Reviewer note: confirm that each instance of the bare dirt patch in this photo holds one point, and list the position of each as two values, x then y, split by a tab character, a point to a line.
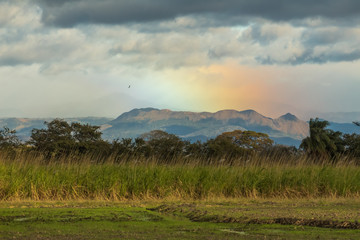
192	213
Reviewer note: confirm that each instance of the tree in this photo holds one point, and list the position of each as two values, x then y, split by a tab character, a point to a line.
61	137
237	143
85	133
222	147
195	149
322	142
87	139
248	139
8	138
163	144
125	146
156	135
56	139
352	144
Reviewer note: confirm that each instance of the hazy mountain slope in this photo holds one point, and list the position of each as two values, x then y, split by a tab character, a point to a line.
192	125
338	117
286	129
344	127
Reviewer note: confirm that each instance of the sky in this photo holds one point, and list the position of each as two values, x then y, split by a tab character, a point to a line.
77	58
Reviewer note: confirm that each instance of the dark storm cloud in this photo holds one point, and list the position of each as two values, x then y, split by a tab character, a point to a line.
66	13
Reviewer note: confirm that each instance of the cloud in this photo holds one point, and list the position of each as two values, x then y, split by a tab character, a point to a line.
67	13
284	43
18	14
42	47
79	57
190	34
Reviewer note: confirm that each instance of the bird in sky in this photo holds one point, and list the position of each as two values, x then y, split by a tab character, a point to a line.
129	86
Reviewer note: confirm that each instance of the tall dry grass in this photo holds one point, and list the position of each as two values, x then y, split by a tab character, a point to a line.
25	176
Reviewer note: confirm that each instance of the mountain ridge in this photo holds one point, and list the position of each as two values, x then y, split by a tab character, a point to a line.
188	124
286	129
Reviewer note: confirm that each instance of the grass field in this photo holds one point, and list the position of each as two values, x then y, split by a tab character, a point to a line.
22	179
226	219
79	198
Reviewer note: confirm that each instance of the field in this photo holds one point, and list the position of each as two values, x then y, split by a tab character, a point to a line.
78	198
226	219
25	178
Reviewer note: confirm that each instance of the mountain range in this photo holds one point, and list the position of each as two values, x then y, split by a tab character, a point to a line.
205	125
192	126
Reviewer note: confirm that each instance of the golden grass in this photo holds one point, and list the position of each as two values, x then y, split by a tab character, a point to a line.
29	176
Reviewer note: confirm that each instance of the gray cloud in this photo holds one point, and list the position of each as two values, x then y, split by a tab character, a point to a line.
185	41
309	57
330	35
284	43
41	48
67	13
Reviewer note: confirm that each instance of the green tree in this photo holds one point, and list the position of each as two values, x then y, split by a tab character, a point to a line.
322	142
123	147
237	143
56	138
61	137
85	133
352	144
195	149
88	139
156	135
222	147
163	144
248	139
8	138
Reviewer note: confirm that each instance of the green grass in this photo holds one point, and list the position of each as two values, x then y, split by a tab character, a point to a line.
30	179
139	220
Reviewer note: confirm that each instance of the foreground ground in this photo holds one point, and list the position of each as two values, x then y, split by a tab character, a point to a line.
228	219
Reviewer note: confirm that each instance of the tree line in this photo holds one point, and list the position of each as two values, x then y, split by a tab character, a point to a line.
61	138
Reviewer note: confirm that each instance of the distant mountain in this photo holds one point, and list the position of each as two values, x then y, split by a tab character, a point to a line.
204	125
344	127
192	126
338	117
